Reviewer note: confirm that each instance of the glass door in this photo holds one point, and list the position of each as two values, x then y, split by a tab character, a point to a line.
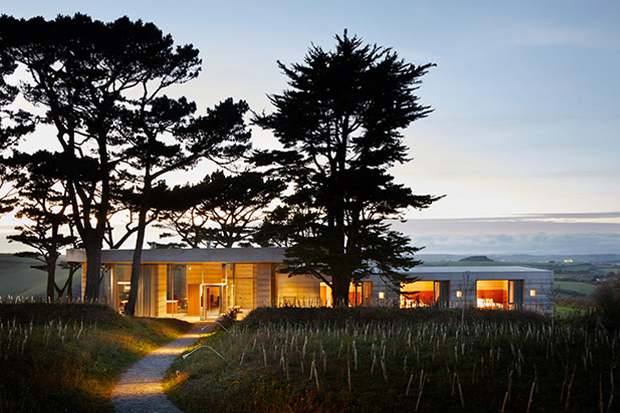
212	301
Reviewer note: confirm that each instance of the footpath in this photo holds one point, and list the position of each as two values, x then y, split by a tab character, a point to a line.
140	388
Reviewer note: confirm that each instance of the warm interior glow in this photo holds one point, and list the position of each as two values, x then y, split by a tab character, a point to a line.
532	293
359	294
459	293
381	295
492	294
417	294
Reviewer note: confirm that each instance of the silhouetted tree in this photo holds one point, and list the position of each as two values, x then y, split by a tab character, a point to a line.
220	136
87	75
339	124
44	208
223	210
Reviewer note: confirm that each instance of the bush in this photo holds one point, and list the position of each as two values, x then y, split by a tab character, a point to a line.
606	299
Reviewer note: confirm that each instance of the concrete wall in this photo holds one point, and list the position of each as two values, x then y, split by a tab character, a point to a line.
300	290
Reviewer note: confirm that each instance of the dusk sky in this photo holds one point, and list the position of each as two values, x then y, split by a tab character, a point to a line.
525	136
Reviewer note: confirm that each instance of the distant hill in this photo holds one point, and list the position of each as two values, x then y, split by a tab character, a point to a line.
18	278
524	258
477	258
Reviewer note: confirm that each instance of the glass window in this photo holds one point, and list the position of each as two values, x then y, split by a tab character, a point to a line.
176	294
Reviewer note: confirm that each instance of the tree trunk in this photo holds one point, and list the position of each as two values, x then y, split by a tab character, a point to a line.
340	290
130	308
72	271
92	245
51	278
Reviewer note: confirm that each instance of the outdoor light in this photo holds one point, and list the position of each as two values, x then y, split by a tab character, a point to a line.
459	293
532	293
381	295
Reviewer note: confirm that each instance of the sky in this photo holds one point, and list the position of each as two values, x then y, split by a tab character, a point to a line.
524	138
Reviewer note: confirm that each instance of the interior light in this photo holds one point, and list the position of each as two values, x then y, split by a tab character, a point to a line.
532	293
381	295
459	293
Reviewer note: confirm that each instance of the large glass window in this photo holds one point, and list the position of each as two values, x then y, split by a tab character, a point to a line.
492	294
417	294
176	295
359	294
123	281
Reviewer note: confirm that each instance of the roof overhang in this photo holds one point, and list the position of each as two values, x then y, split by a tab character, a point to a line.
254	255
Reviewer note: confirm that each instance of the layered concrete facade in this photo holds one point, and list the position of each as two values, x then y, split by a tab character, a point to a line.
207	282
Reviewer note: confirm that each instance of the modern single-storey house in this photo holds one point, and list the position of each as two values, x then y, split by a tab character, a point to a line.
208	282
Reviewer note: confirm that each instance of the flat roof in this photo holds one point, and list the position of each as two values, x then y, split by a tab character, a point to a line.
187	255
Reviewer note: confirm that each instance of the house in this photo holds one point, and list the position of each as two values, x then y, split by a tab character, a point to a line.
207	282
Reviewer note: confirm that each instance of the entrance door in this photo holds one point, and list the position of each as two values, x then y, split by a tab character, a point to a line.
212	299
442	293
515	294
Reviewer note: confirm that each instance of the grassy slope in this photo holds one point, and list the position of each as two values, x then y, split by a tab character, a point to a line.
397	359
580	287
18	278
67	357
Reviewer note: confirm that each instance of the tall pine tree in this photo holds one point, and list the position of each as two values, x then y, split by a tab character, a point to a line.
340	125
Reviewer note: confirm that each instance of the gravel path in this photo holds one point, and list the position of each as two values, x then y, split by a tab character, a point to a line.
140	389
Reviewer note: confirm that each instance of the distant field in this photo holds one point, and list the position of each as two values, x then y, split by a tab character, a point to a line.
18	278
582	288
576	268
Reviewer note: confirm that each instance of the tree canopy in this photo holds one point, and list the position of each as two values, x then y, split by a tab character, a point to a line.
340	126
88	76
222	210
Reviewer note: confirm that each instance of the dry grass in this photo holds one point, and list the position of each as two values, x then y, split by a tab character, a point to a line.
67	357
368	360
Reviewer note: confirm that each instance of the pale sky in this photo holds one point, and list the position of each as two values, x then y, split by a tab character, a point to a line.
525	135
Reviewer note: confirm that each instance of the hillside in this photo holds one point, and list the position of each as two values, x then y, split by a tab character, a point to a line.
18	278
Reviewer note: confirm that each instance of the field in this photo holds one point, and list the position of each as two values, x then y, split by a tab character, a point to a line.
67	357
580	288
370	359
17	278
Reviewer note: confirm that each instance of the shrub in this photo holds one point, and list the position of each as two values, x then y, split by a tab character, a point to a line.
606	299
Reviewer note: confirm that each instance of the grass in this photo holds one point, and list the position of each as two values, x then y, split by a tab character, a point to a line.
67	357
580	287
373	359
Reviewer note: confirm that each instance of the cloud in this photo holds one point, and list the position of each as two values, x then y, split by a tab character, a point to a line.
532	243
540	35
570	233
